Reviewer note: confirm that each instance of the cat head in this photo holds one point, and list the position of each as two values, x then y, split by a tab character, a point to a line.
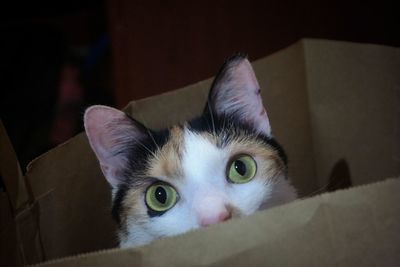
220	165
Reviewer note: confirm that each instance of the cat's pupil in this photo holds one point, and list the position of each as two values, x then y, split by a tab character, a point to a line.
161	195
240	167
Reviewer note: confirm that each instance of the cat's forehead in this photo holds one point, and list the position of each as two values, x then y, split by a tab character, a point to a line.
183	145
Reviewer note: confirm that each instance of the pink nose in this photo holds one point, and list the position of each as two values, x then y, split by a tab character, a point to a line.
210	219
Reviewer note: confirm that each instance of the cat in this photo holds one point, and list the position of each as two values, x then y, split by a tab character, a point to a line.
221	165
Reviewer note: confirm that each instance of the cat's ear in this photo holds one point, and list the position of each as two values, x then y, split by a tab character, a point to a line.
111	134
235	92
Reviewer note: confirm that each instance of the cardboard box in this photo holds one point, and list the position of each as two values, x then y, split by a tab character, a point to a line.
331	104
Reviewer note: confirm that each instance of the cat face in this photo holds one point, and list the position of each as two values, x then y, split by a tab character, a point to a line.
221	165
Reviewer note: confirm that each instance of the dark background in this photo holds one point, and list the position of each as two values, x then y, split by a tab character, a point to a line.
58	58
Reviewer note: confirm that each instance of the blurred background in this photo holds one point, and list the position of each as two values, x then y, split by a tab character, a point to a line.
57	59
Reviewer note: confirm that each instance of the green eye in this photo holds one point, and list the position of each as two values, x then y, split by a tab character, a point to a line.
241	169
160	197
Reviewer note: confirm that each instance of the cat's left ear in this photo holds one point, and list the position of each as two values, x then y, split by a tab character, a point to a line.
112	135
236	93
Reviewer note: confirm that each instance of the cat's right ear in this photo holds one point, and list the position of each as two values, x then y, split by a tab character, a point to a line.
111	133
236	93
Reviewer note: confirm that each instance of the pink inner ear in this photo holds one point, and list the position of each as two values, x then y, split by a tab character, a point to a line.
108	131
112	175
239	93
245	74
99	123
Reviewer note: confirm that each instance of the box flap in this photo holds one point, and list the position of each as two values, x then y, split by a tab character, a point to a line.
18	227
74	200
354	97
325	230
11	173
9	253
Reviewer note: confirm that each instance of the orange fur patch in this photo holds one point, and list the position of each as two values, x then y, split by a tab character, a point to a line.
167	162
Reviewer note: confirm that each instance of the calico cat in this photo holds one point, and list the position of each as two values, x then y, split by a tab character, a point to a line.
221	165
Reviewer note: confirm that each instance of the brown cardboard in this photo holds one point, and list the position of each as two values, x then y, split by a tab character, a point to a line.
328	102
352	94
70	189
357	227
19	225
11	173
10	201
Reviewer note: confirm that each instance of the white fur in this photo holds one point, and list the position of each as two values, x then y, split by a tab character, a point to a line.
205	191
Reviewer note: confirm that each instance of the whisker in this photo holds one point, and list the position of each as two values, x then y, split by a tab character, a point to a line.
223	123
148	131
212	115
144	146
125	140
319	190
162	155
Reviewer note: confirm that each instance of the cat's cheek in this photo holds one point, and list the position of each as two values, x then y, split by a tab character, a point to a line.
137	236
176	221
282	192
249	197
